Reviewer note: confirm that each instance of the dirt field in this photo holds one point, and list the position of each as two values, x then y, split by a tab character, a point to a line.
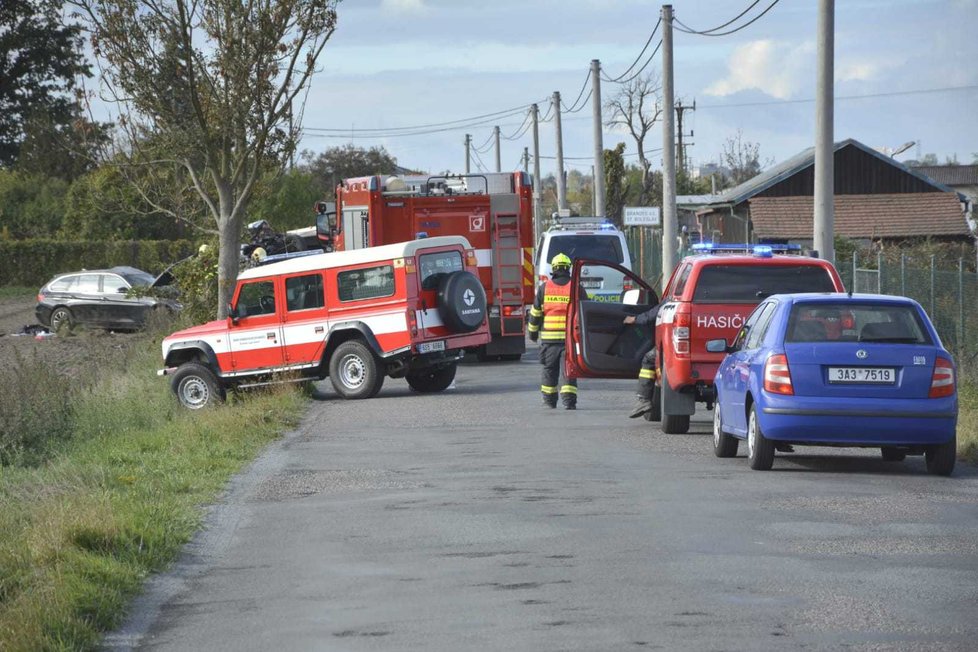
72	353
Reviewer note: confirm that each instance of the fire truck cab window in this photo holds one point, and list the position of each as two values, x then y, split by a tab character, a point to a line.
304	292
368	283
434	266
256	298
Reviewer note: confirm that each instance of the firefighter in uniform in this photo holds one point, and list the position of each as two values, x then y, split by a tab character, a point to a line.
548	319
649	372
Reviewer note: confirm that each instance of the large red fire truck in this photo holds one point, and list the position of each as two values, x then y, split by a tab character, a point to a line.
493	211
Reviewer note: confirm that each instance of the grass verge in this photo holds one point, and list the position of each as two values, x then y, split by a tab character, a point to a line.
115	500
16	292
968	422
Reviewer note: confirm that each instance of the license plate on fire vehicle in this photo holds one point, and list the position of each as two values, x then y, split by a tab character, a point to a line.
429	347
878	375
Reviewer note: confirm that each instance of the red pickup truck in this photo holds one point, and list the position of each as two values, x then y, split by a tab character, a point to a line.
709	296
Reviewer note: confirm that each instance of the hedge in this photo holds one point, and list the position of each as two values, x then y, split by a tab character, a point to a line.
30	263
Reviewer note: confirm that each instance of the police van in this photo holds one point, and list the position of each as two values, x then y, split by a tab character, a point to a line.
590	238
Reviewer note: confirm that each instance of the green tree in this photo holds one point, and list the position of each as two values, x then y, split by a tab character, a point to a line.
31	205
330	167
287	200
214	83
104	205
615	183
42	57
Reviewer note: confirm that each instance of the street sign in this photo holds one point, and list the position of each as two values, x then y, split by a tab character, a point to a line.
642	216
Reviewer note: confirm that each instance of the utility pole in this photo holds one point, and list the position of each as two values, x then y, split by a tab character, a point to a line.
526	159
598	174
669	223
681	149
537	218
561	180
499	160
468	153
824	226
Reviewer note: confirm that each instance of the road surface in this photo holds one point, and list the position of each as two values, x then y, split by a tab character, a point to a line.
477	519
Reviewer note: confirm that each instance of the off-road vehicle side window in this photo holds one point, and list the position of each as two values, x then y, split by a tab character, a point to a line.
753	283
434	266
304	292
367	283
256	298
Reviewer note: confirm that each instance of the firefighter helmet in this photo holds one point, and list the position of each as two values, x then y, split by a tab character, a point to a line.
560	260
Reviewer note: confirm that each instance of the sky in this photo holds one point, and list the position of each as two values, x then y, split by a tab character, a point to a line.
402	63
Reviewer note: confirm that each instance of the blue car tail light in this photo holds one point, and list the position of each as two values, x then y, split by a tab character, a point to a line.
942	380
777	375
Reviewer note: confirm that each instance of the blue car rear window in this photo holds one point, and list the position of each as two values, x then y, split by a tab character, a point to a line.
855	322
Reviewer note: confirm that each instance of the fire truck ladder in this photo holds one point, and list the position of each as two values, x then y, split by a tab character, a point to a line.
507	270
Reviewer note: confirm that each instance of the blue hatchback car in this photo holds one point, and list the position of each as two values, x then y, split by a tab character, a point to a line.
837	370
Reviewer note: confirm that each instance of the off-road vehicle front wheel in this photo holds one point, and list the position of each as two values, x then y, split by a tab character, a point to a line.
197	387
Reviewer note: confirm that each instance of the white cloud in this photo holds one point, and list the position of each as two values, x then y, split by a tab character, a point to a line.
777	68
403	6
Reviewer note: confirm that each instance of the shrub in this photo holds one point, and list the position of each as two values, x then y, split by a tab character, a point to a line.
37	410
32	263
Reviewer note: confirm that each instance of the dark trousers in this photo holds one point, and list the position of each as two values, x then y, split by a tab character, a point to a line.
552	359
647	376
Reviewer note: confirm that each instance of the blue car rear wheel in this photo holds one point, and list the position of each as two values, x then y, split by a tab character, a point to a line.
760	449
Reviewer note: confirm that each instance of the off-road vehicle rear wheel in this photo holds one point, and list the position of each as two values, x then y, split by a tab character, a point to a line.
432	380
354	371
197	387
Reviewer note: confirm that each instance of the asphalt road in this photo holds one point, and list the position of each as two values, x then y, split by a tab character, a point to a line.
480	520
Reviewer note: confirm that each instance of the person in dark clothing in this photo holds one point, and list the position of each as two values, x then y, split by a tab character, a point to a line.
548	323
649	372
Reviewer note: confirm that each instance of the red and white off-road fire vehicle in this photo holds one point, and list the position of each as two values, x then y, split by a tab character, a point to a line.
493	211
406	310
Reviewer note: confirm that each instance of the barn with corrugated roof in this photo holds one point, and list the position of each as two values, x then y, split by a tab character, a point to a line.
876	198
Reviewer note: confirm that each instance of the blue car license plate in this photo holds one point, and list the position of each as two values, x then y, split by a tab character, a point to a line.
875	375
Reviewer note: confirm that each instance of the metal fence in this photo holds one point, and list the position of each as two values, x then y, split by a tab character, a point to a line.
645	246
950	296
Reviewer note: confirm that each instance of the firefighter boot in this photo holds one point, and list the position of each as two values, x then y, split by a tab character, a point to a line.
642	405
550	400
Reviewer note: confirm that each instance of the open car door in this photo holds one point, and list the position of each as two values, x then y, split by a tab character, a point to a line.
599	343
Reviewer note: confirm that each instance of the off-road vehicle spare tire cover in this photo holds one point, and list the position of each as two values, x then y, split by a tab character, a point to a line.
461	301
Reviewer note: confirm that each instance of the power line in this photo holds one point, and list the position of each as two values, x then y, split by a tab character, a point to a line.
484	147
732	20
491	116
644	65
583	104
574	105
478	161
686	29
921	91
639	57
525	126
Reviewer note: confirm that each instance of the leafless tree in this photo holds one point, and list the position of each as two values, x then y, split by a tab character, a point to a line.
637	107
205	91
742	158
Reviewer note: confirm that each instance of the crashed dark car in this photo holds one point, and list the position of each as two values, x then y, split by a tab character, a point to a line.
120	298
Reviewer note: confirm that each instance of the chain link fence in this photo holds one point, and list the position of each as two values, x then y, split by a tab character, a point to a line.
950	296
